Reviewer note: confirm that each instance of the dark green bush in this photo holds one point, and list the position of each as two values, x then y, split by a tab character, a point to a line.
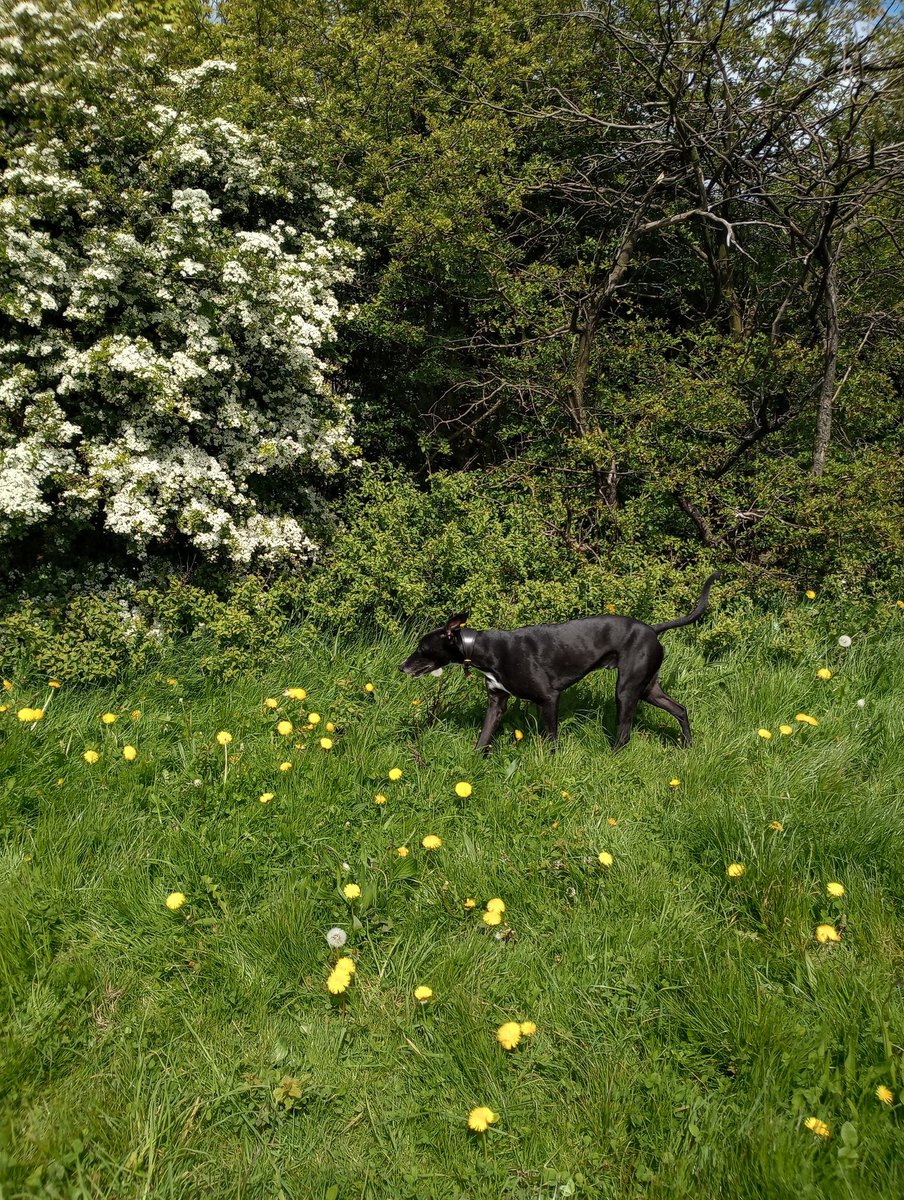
404	557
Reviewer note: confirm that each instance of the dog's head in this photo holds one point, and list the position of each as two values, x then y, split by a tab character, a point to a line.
435	649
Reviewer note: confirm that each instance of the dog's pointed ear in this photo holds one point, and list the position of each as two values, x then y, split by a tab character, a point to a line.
455	622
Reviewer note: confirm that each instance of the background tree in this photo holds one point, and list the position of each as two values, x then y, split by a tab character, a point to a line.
619	247
167	296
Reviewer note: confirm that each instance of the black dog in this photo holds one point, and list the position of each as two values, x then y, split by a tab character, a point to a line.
538	662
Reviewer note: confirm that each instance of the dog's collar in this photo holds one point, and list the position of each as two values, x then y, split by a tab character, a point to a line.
466	640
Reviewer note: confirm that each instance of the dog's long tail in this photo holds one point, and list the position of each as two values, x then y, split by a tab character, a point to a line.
699	610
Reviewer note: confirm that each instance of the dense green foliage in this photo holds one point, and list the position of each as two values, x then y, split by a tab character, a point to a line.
535	293
668	301
688	1024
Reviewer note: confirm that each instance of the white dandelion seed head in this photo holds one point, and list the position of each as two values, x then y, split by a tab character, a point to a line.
844	641
861	703
437	672
197	782
336	937
346	867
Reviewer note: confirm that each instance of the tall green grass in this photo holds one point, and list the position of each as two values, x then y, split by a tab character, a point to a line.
687	1023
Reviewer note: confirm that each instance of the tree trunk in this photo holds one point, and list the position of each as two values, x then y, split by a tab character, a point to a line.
829	372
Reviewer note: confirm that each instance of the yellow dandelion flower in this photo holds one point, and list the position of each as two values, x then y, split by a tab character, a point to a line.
528	1028
351	891
611	821
885	1094
403	851
470	902
423	994
271	703
734	870
810	594
266	797
368	687
784	730
175	900
519	736
835	889
224	737
823	673
496	905
108	718
135	714
765	733
313	718
605	859
492	917
463	789
481	1118
26	714
285	766
338	981
284	727
804	719
4	708
90	756
173	682
395	774
54	683
379	798
295	693
827	933
346	964
129	753
431	842
674	783
900	604
330	727
777	826
7	685
818	1127
509	1035
326	743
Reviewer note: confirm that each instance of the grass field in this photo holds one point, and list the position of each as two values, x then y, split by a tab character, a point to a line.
688	1024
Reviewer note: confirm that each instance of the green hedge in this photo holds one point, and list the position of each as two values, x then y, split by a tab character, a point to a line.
402	558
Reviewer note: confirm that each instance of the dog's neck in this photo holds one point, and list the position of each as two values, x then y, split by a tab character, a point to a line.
463	640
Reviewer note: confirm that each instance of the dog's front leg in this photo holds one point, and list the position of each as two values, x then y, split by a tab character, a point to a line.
550	710
496	706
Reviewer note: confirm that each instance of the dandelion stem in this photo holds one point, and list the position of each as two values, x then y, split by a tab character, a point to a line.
45	708
433	714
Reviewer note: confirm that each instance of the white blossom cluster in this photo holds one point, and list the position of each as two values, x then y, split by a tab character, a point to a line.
167	296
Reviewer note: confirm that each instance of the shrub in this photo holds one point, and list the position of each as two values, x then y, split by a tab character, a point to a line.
168	296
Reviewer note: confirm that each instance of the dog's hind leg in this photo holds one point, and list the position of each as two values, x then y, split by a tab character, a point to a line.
655	695
496	706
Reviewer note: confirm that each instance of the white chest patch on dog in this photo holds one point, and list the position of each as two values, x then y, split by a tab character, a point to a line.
493	681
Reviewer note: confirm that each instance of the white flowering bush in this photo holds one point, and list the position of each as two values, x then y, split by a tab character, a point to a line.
167	295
